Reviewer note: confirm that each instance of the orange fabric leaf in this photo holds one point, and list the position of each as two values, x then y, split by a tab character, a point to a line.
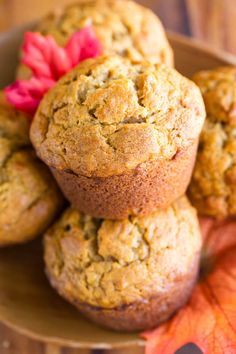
209	319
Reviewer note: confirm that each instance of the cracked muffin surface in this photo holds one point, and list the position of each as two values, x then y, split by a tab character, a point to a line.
127	29
107	116
213	186
109	264
29	197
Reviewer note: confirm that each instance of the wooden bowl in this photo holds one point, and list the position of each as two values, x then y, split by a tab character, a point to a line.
27	302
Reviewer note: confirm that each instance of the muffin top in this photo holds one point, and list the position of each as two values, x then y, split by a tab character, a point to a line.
127	29
107	116
29	196
212	189
110	263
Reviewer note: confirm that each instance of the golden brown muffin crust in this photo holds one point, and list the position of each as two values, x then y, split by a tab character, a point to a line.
29	197
14	129
127	29
213	187
107	116
124	28
108	263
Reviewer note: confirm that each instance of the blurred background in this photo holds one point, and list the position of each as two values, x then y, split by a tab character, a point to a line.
209	20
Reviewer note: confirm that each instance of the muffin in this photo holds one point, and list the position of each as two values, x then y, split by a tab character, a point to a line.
120	138
213	186
29	197
127	29
126	275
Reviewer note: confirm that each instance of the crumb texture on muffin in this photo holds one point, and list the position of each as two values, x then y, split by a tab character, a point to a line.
213	186
29	197
107	116
108	264
14	129
127	29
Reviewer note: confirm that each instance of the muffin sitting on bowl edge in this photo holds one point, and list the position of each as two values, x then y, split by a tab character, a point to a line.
29	197
213	187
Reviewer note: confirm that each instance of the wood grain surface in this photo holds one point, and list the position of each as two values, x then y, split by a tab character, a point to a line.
212	21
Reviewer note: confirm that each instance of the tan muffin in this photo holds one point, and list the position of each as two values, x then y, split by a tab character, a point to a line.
120	138
29	197
130	274
213	187
124	28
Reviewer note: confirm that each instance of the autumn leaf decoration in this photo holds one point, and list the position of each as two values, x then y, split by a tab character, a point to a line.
209	319
48	62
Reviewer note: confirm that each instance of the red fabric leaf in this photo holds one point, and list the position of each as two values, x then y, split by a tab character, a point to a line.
26	95
36	54
209	319
83	45
48	62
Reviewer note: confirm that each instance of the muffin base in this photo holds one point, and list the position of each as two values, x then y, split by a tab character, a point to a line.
141	315
152	185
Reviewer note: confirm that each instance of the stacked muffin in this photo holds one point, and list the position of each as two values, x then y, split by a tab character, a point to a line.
120	135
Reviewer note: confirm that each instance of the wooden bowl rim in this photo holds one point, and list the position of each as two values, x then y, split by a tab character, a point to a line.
71	343
193	43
